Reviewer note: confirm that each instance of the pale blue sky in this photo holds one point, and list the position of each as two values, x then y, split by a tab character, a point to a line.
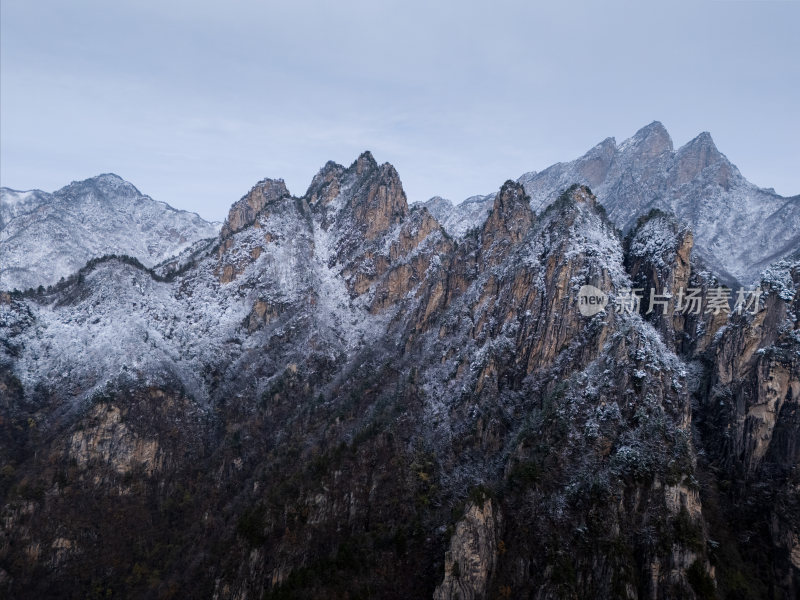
195	101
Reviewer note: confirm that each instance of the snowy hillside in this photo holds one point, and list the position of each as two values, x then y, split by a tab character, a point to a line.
44	237
459	218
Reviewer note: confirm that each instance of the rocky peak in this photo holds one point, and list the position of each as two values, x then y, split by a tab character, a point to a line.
326	184
582	194
438	205
698	154
331	167
704	141
365	162
658	257
657	235
369	195
440	208
378	201
649	142
459	218
511	215
572	198
46	236
111	179
106	184
607	147
244	212
593	166
363	213
509	220
696	183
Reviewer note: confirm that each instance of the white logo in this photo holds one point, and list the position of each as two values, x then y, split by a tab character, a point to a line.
591	300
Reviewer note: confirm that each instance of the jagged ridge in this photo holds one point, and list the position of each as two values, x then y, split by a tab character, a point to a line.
309	405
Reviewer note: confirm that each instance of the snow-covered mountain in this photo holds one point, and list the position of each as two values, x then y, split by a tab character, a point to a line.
44	237
739	227
335	398
459	218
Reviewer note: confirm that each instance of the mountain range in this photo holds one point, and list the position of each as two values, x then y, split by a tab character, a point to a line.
344	395
740	228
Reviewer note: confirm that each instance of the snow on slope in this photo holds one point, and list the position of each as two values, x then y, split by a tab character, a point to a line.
118	321
459	218
44	237
738	227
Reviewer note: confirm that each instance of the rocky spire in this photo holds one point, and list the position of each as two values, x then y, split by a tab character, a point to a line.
378	201
594	166
511	215
365	162
691	159
326	184
650	141
508	222
244	212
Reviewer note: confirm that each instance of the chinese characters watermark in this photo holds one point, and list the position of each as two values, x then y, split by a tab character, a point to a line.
689	301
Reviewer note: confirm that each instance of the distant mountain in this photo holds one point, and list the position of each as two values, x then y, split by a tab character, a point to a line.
460	218
740	228
44	237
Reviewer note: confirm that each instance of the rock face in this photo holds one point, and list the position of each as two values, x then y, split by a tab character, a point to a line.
659	261
108	440
336	398
379	201
44	237
749	422
509	220
658	258
243	213
472	558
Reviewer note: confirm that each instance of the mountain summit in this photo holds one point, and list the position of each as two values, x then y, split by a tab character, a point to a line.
44	237
740	228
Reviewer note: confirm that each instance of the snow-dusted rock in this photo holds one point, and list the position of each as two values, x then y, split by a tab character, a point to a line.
738	227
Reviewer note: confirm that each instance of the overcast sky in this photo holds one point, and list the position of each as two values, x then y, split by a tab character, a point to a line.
194	101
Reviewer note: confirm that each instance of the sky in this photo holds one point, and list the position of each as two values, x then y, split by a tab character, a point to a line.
195	101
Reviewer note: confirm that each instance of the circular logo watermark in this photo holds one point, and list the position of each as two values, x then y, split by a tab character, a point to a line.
591	300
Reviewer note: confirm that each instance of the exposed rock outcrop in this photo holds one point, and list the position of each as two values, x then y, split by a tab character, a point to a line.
508	222
244	212
697	184
472	558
